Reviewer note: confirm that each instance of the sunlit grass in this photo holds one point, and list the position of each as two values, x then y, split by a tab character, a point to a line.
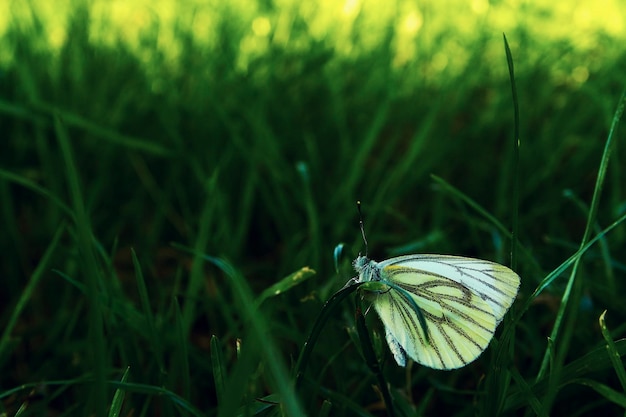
442	30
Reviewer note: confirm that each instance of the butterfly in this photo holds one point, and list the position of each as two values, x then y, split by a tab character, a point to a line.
439	310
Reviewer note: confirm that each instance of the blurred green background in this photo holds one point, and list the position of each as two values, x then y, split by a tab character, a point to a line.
166	166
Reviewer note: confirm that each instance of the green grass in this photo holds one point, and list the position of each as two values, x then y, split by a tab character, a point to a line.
168	225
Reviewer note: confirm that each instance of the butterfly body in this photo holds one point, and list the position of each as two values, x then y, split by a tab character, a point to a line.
439	310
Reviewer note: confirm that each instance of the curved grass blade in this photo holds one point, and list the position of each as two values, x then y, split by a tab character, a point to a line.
33	186
27	293
372	361
603	244
596	361
604	390
311	210
325	409
109	135
530	397
91	271
447	187
570	289
614	355
178	401
156	391
322	318
498	382
342	401
181	352
549	279
118	397
219	369
155	340
259	327
286	284
515	156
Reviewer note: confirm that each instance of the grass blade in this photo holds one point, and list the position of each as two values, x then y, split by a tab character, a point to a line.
549	279
455	192
591	219
591	363
126	142
219	368
194	286
614	355
91	273
285	284
515	157
259	327
118	398
604	390
31	185
181	367
372	361
497	382
529	396
322	318
155	340
27	293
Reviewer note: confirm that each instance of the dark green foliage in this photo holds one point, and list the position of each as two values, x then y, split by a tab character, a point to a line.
159	208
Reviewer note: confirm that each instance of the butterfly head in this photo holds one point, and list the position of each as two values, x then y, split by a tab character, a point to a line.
366	268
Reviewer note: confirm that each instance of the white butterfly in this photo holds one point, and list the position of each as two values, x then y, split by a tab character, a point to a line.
439	310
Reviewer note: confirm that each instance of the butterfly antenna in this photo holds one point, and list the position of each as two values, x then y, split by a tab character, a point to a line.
358	207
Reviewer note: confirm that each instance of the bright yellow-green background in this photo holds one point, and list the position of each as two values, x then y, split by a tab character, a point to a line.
454	23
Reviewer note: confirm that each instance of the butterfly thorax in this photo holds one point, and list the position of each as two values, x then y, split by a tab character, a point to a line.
367	269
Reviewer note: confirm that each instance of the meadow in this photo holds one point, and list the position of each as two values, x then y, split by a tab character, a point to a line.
175	181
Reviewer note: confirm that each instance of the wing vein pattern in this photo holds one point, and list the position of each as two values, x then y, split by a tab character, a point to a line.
462	300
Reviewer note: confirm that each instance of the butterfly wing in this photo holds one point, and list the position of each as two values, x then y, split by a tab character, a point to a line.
459	323
494	283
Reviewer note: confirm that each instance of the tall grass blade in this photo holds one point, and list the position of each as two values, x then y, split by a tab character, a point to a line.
591	219
322	318
219	368
613	353
118	398
497	382
27	293
552	276
372	361
515	157
201	241
92	274
157	391
603	244
455	192
125	142
529	396
181	368
604	390
259	327
591	363
146	307
33	186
